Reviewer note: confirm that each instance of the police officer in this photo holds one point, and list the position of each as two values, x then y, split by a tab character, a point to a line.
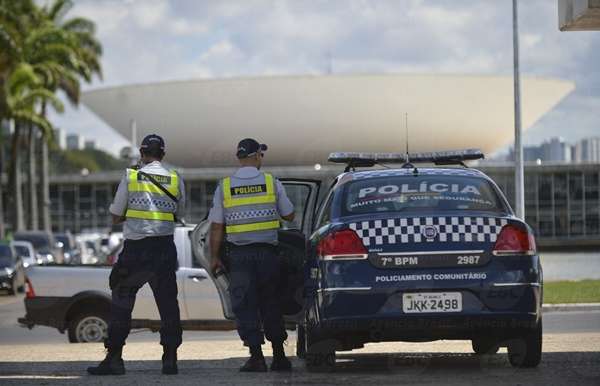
247	209
149	210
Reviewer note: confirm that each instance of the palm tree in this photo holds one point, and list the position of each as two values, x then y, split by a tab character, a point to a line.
83	62
22	90
25	92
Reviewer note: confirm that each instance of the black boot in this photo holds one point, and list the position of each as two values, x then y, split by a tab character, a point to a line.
169	360
256	363
280	362
111	365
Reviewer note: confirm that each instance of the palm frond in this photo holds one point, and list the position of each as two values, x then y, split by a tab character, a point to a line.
80	25
59	9
21	78
39	95
70	84
31	116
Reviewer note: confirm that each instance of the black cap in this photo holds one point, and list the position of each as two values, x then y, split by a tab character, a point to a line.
248	147
153	141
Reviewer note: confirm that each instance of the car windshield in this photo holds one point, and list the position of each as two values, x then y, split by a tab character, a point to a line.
5	256
423	194
22	250
40	242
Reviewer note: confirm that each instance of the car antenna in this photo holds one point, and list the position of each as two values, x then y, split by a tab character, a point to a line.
407	164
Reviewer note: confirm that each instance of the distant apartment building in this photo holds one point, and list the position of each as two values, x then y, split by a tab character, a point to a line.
60	138
556	150
587	150
90	144
75	142
532	153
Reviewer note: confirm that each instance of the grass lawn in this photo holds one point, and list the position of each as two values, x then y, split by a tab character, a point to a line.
584	291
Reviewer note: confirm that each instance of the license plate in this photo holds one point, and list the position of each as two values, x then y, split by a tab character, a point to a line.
431	302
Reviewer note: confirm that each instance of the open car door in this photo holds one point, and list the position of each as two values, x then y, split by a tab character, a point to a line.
304	195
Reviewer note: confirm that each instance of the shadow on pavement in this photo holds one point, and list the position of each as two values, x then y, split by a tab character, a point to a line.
579	368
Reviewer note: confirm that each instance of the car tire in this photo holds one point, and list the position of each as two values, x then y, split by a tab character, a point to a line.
88	327
13	288
484	346
300	342
320	351
526	350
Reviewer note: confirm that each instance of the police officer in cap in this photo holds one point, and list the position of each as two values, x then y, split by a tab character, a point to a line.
149	199
247	209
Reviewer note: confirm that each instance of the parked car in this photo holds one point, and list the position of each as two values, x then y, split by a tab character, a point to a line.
45	244
70	249
76	299
420	254
12	272
27	252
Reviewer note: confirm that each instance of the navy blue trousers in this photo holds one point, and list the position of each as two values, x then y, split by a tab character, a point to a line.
255	274
151	260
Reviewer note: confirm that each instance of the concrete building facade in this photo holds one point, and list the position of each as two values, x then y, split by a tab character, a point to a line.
562	200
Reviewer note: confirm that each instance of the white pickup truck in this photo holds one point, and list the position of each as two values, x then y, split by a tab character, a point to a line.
76	299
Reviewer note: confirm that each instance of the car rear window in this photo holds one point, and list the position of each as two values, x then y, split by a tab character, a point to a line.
424	193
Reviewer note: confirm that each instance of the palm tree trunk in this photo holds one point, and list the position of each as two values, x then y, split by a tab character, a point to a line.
18	222
33	200
2	229
44	184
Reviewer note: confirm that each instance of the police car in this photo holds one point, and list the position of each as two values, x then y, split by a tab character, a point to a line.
404	254
420	254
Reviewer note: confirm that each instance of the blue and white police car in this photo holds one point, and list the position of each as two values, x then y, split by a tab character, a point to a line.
419	254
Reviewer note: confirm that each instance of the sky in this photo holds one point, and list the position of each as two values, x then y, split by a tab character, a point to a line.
160	40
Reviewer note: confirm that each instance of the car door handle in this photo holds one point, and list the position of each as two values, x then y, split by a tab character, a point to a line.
197	278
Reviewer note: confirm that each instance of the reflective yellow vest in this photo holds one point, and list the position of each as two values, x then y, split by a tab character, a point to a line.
147	201
250	208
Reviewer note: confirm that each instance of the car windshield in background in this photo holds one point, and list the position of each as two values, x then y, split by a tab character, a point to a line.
22	251
39	242
5	256
424	193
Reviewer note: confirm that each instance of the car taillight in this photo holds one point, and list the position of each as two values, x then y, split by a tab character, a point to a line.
340	245
514	240
29	292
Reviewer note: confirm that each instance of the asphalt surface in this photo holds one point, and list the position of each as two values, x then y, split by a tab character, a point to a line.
42	356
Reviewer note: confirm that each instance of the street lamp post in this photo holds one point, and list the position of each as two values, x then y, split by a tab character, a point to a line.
518	150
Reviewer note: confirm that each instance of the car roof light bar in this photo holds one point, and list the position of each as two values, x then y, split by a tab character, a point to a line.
356	159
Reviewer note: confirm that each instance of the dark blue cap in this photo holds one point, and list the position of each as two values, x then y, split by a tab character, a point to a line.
153	141
248	147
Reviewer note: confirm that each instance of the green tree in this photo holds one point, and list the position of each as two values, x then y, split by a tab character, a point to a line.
22	88
81	62
59	53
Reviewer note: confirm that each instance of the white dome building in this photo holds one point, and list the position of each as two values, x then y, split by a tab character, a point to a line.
304	118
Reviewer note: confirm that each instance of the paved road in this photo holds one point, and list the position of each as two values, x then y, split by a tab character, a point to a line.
42	356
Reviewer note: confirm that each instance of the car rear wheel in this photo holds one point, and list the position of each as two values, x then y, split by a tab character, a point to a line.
88	327
320	351
526	351
483	346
